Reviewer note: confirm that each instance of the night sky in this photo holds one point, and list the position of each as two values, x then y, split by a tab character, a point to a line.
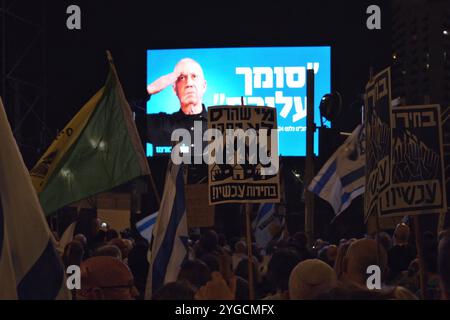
77	67
72	64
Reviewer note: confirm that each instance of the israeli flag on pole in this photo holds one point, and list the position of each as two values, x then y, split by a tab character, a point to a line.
170	233
266	224
30	267
145	226
66	238
342	178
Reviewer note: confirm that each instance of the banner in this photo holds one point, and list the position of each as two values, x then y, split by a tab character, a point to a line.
262	76
417	170
244	174
378	139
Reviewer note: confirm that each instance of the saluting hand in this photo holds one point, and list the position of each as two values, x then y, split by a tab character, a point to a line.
162	82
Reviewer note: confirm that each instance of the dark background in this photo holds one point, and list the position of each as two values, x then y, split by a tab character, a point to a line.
77	67
70	65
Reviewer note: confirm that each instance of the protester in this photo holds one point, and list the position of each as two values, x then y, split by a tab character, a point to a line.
311	278
360	255
401	253
106	278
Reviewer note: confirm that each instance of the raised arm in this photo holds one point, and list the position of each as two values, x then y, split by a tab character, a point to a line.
162	82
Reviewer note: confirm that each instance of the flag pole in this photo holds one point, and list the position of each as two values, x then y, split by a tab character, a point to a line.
441	222
420	255
377	238
309	162
248	212
152	181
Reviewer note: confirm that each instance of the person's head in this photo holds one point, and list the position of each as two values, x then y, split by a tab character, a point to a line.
81	238
385	240
401	234
331	254
209	241
360	255
301	239
318	244
328	254
129	243
195	272
179	290
222	240
99	238
444	266
106	278
122	245
339	262
402	293
108	251
240	247
242	269
345	291
190	85
311	278
211	260
111	234
280	267
73	253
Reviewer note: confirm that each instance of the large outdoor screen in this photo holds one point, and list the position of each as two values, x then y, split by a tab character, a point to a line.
263	76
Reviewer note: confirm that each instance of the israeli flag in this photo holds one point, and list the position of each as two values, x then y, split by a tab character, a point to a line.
170	233
342	178
145	226
266	224
66	238
30	267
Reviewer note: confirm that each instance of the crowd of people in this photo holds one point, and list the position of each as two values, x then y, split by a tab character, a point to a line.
115	266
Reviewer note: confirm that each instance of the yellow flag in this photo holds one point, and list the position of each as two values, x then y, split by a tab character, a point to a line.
49	161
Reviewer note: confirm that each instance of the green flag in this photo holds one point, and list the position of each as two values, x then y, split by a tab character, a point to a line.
99	149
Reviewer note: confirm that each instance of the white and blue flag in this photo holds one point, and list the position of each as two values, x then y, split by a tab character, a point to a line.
30	267
145	226
169	245
342	178
66	238
267	224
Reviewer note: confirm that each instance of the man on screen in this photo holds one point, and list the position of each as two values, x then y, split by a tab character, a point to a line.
189	85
